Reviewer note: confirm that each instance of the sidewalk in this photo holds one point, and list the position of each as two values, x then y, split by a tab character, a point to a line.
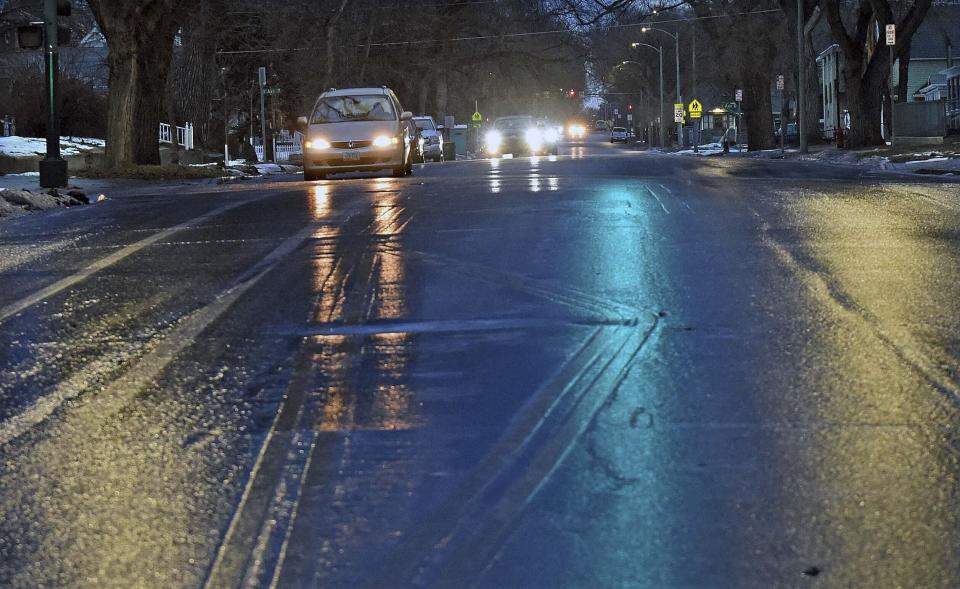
934	159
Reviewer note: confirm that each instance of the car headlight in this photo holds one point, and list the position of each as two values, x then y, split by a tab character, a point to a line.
384	141
551	136
494	139
317	144
534	138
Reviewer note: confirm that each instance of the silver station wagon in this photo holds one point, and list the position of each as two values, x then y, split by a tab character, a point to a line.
357	129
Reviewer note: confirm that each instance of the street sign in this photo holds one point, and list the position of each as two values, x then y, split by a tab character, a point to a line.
891	31
616	112
477	117
630	117
271	91
677	113
739	95
780	82
695	108
262	76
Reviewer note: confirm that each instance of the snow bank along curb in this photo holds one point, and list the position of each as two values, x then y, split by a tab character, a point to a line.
15	202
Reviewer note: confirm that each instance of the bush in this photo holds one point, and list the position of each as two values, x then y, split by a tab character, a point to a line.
83	110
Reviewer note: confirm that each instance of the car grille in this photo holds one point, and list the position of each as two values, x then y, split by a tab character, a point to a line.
349	144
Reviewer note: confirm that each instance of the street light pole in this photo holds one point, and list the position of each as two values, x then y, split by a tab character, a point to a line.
659	51
53	168
801	78
676	41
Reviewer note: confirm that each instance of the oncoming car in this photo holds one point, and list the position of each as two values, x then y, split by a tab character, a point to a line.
357	129
576	131
520	135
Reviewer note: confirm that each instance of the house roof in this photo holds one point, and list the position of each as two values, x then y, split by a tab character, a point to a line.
939	29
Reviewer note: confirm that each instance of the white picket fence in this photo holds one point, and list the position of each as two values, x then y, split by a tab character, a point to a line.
184	135
285	144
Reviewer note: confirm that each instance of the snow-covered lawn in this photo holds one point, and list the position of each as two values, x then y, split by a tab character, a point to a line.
30	146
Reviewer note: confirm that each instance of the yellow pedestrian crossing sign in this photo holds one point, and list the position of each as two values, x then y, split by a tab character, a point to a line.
477	117
695	109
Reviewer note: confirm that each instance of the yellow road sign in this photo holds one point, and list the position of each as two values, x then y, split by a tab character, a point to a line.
695	108
477	117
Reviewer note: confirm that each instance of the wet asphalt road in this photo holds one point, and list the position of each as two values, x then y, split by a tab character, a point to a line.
606	369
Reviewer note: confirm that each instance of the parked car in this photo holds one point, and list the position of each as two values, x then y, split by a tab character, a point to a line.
618	135
432	141
520	135
357	129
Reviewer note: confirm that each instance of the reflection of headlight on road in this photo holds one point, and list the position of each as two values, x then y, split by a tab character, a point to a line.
534	138
493	140
318	144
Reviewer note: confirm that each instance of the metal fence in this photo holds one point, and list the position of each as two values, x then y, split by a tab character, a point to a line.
953	116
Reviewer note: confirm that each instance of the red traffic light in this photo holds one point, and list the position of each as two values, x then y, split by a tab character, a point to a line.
572	93
629	107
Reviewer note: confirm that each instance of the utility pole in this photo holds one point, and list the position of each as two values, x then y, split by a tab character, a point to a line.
891	38
801	78
262	77
226	120
53	168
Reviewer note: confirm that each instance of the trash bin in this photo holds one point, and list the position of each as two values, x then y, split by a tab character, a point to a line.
458	136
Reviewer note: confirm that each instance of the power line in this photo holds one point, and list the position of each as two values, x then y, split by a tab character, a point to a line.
510	35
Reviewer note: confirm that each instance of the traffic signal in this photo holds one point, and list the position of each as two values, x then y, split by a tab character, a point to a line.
630	107
572	93
31	36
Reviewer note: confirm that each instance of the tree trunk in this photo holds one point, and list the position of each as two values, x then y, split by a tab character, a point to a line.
140	47
442	94
813	99
331	30
865	107
758	112
135	99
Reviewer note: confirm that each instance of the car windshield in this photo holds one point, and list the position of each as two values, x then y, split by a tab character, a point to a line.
425	124
339	109
618	130
513	123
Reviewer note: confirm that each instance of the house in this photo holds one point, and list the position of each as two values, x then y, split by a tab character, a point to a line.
952	96
931	48
832	91
934	89
931	51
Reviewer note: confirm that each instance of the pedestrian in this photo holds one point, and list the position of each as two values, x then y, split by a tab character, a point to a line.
729	138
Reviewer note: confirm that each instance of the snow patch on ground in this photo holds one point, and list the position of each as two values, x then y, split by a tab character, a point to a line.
31	146
268	168
705	149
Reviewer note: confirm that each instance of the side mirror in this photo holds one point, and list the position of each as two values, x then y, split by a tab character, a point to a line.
302	121
406	115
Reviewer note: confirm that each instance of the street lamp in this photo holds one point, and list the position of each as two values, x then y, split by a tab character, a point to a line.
676	41
659	51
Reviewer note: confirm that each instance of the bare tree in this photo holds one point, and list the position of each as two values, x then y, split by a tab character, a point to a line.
140	36
866	69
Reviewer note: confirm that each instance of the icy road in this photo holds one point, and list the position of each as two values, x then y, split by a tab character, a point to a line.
609	368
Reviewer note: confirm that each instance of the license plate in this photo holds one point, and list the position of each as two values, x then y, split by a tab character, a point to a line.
351	155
